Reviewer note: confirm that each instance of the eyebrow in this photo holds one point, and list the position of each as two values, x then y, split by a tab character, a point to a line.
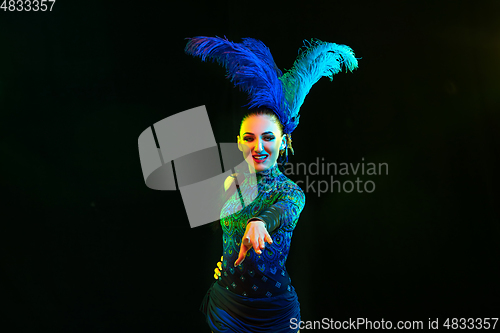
268	132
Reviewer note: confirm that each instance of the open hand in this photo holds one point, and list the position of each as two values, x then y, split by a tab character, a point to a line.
255	236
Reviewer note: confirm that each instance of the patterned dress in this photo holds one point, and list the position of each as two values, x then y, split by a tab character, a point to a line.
257	295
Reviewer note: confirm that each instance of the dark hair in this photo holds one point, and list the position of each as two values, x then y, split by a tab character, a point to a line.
265	111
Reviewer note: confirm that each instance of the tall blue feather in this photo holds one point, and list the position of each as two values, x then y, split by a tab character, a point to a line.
250	66
317	60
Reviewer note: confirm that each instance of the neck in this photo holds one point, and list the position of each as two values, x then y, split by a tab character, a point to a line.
263	171
267	174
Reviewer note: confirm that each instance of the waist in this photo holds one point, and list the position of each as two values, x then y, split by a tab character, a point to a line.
253	283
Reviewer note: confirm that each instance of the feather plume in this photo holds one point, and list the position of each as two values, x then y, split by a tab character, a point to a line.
250	66
317	60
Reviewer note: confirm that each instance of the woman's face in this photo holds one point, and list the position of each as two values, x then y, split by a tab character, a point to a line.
260	140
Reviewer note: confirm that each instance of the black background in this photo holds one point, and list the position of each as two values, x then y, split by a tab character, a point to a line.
86	246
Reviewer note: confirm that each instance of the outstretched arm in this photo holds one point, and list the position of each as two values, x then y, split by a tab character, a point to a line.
284	213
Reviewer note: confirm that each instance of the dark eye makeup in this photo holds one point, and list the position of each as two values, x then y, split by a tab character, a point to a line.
267	138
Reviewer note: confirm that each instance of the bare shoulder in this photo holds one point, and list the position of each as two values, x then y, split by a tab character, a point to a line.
229	181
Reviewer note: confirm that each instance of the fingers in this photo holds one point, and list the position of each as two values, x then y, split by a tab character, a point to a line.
256	242
262	244
255	238
255	245
217	274
242	254
218	269
268	238
238	261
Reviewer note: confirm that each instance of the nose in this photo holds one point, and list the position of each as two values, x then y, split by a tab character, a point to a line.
259	146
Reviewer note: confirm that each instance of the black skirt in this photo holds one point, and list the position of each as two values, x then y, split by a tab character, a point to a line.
227	312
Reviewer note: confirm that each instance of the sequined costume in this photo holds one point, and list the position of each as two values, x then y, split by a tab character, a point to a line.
257	295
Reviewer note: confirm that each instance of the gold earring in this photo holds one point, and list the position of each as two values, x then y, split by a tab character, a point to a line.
289	143
282	150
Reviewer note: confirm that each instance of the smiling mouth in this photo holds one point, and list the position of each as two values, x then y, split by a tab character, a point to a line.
259	158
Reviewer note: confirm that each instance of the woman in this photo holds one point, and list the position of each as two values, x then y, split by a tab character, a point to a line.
253	291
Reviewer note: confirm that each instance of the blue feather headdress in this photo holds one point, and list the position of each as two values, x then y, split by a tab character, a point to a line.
250	66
